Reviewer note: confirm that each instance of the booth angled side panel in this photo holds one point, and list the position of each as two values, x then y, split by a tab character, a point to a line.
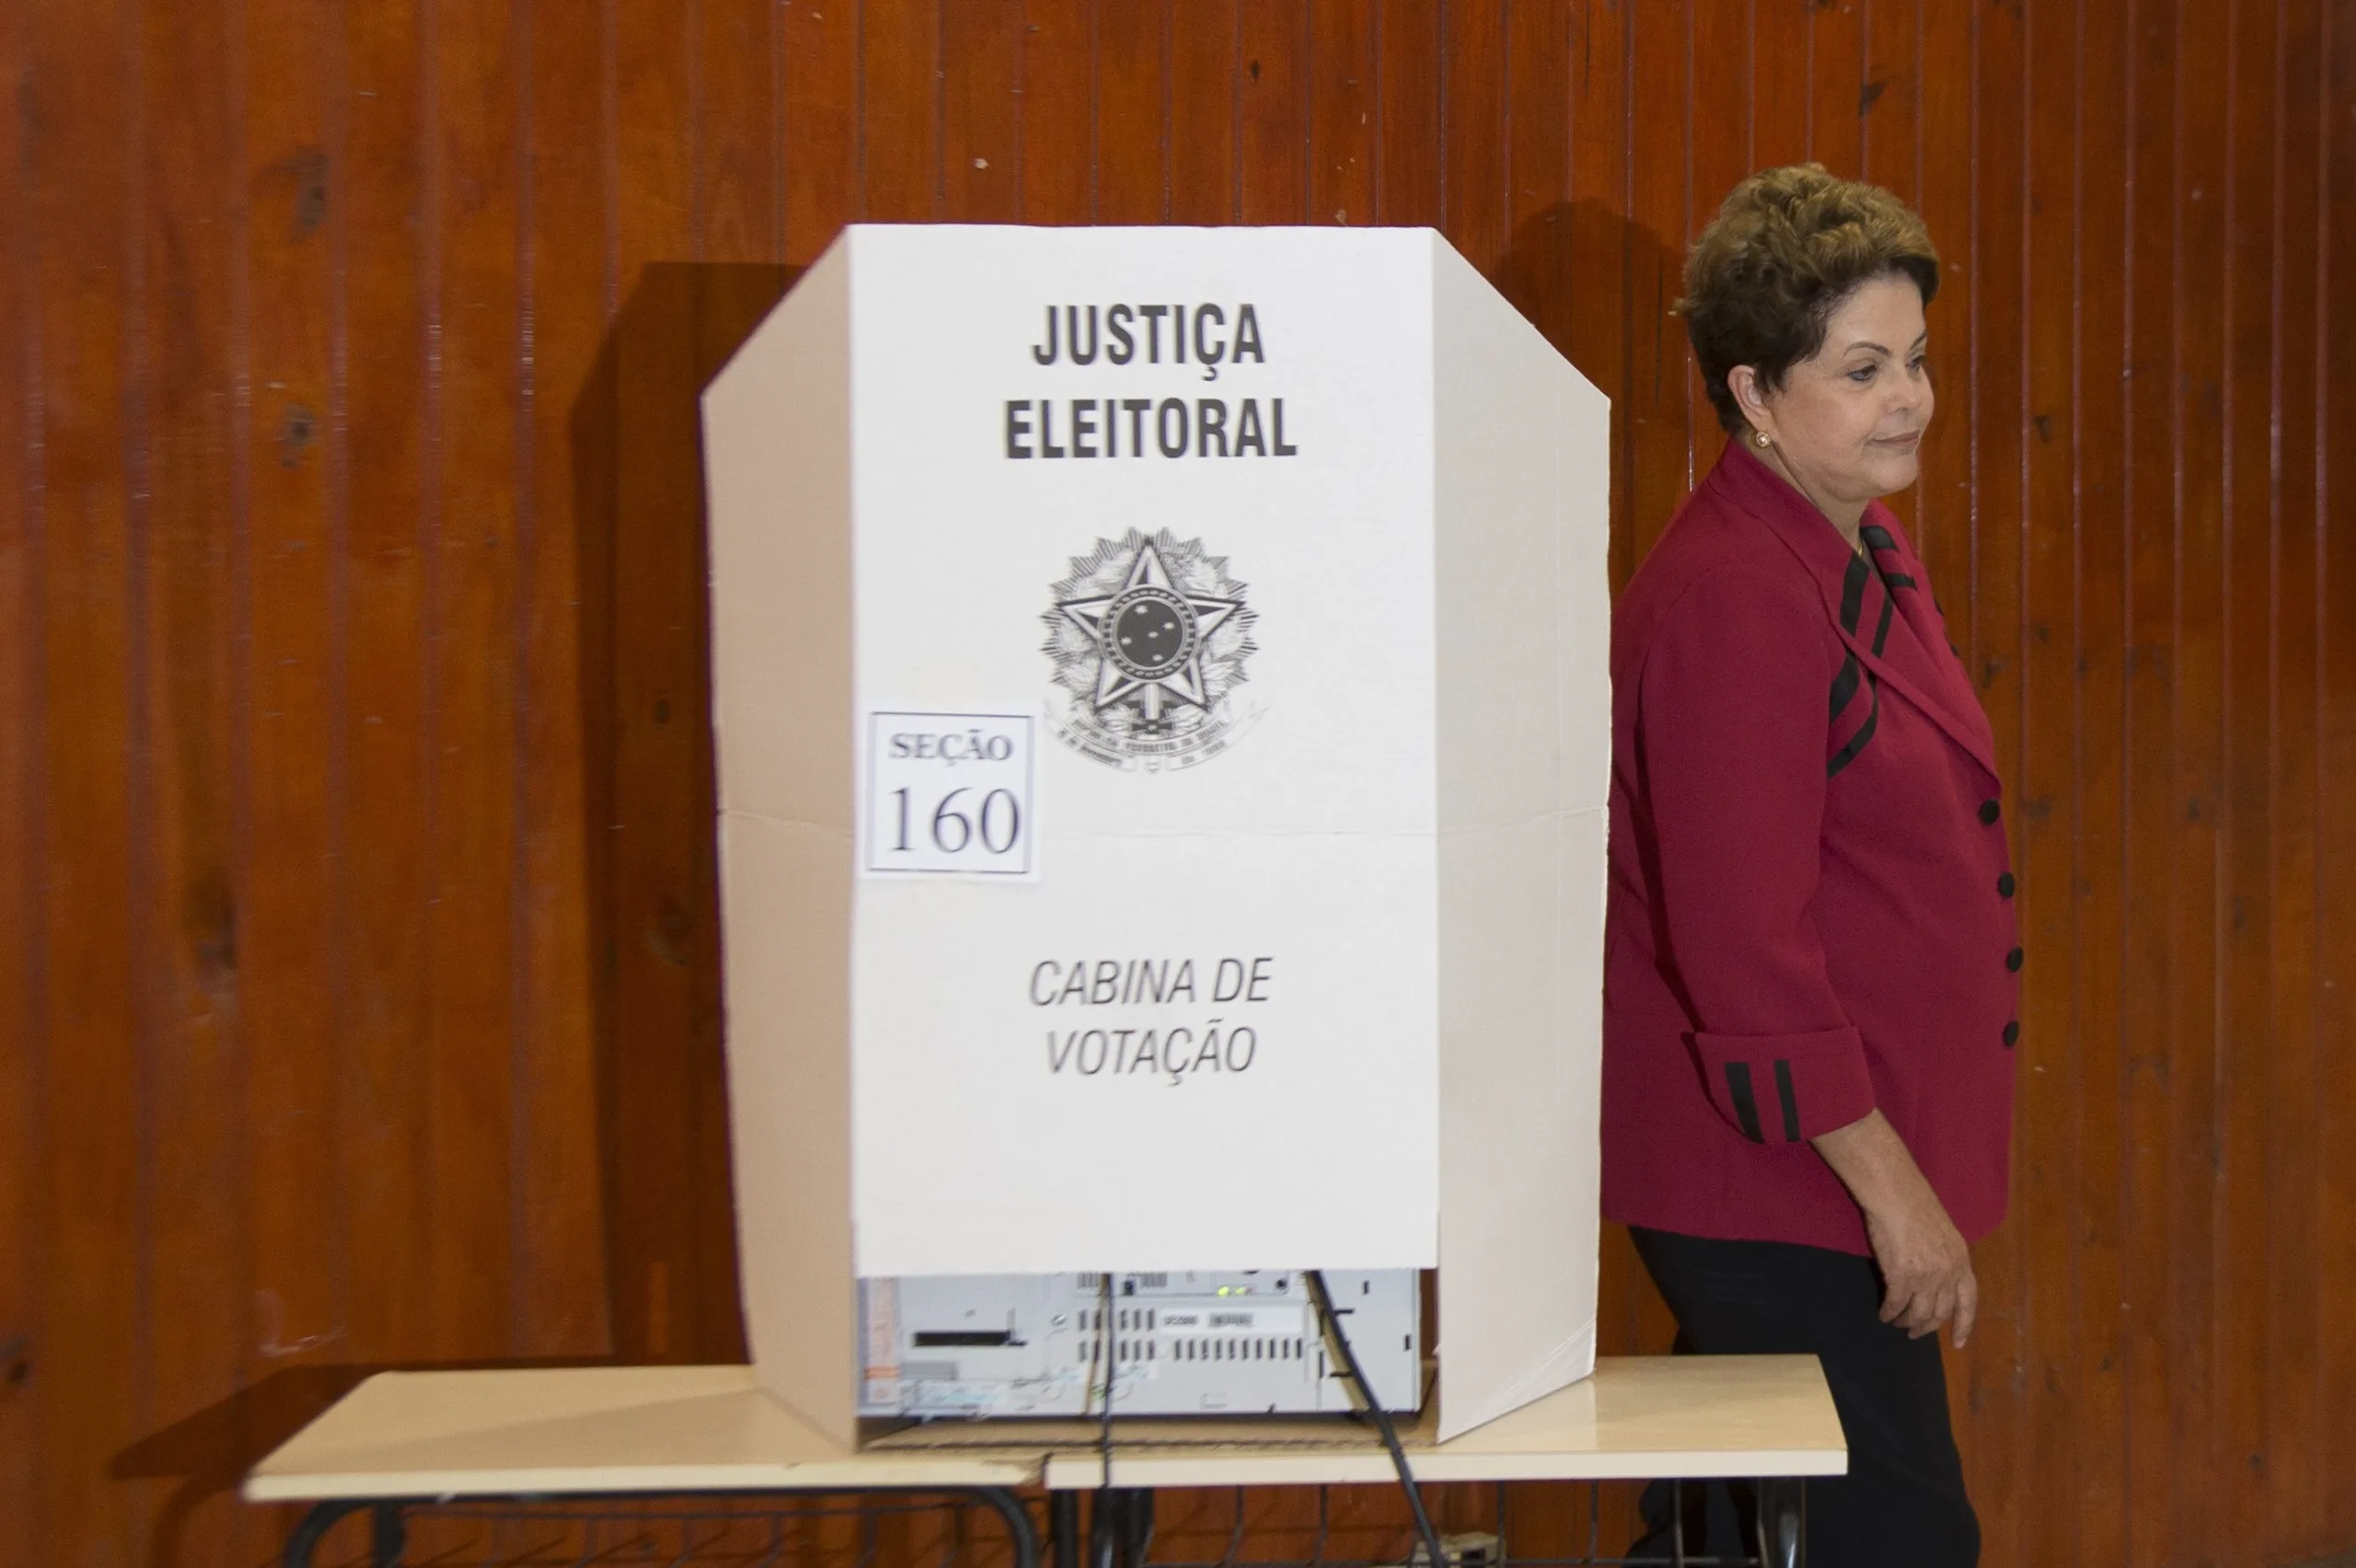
777	456
1522	485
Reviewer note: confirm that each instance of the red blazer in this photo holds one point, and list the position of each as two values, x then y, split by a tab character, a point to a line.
1811	909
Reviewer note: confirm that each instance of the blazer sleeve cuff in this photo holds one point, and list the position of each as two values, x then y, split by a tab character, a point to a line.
1786	1089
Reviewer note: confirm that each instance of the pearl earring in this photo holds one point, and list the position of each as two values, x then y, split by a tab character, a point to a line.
1762	438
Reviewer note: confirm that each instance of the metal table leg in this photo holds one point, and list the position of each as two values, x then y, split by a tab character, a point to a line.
303	1544
1782	1522
387	1534
1019	1528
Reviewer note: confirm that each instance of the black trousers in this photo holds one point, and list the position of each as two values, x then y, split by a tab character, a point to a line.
1902	1503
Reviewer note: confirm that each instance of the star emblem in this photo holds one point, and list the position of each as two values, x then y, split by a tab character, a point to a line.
1149	635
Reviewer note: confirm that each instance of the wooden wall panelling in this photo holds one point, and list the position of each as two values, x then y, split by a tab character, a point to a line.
1890	96
1410	57
2203	169
562	1265
2298	1478
1940	512
739	174
661	870
1274	59
287	731
1131	68
1660	126
587	464
184	865
1058	111
2049	1165
1776	131
1206	96
1474	110
95	1349
2150	455
22	832
2243	1445
1775	77
188	463
1344	94
1993	1421
981	113
379	334
1603	242
1720	88
738	162
1534	269
2096	1090
2335	977
1836	86
818	125
899	63
470	227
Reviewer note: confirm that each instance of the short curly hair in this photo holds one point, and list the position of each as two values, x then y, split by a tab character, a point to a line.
1786	248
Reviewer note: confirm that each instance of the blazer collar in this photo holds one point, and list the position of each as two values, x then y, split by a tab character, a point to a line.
1908	665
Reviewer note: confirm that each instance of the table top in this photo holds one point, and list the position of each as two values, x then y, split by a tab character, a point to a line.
581	1430
656	1429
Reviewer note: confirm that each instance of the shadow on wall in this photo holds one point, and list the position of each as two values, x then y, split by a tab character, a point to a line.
649	807
654	912
1600	287
210	1452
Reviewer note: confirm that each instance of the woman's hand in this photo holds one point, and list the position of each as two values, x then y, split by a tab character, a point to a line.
1926	1268
1925	1264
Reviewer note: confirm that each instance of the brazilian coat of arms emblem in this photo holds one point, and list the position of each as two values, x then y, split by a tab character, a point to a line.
1149	636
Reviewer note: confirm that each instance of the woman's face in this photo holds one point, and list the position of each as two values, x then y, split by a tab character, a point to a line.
1848	423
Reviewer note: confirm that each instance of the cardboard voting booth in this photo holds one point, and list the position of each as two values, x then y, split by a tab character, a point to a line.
1161	686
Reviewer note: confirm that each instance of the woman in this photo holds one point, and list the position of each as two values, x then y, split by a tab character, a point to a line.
1809	980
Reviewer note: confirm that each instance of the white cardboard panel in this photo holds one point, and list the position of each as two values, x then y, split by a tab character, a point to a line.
959	547
1307	843
1519	1223
786	900
778	479
1324	1150
780	520
1521	809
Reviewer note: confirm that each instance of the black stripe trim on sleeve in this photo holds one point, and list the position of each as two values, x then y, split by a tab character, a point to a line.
1898	580
1852	593
1790	1103
1848	753
1882	631
1877	536
1746	1109
1844	685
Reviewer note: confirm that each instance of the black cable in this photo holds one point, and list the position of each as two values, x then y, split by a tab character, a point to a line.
1348	1358
1103	1528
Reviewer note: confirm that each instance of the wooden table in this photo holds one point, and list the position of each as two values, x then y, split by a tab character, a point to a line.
403	1438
